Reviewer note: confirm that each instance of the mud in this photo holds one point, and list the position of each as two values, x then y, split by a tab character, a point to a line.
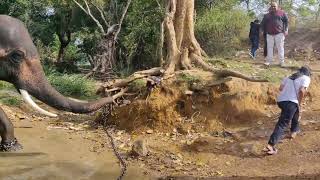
55	152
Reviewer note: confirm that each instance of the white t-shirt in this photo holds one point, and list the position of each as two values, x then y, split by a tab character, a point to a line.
290	92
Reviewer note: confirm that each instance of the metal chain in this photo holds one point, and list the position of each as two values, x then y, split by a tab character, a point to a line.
106	110
8	145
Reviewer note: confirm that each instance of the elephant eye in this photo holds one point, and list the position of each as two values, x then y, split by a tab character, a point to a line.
16	57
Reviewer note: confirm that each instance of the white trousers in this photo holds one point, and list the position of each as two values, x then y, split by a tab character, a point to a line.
277	40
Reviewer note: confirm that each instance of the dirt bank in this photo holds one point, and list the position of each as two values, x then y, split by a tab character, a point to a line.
207	109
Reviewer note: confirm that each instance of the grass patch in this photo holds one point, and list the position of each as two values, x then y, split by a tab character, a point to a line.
274	73
190	79
137	85
6	85
9	100
72	85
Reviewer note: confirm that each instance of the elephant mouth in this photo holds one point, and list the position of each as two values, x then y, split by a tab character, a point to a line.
27	98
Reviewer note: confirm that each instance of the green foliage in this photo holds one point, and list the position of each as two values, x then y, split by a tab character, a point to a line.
5	85
11	101
304	11
71	85
220	32
190	79
140	35
137	85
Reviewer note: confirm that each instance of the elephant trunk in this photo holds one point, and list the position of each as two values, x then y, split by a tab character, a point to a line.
50	96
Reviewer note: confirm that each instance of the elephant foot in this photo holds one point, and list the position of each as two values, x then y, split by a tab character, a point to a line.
13	145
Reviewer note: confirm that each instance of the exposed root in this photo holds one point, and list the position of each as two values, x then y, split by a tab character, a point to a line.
226	73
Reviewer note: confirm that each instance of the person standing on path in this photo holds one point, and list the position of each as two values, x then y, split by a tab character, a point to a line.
254	37
292	92
275	25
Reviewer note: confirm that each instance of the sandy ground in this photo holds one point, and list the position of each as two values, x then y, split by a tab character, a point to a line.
54	150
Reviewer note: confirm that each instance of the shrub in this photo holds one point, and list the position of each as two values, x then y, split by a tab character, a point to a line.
219	32
11	101
71	85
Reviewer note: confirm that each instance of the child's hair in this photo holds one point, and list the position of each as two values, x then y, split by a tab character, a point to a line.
256	21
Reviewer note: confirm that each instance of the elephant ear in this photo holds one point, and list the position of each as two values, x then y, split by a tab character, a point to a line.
16	55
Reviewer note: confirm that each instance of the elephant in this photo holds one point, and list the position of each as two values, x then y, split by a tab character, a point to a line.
20	65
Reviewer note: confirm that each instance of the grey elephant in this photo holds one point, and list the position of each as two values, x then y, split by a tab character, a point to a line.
20	65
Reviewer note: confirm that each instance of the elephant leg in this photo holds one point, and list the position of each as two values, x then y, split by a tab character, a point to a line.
8	141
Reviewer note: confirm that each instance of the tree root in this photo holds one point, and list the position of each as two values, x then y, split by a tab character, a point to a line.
223	77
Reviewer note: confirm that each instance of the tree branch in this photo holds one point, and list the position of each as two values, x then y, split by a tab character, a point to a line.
87	11
102	15
121	20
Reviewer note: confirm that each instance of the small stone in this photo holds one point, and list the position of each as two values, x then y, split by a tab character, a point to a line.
188	92
219	173
119	133
140	148
150	131
259	122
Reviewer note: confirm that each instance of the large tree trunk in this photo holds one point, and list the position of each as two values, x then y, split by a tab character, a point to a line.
182	46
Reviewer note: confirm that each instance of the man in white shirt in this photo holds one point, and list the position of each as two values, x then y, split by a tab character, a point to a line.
292	92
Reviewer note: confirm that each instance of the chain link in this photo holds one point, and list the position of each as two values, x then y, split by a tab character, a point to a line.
7	146
106	110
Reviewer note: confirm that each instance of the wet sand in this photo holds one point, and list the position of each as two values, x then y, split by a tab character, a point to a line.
58	154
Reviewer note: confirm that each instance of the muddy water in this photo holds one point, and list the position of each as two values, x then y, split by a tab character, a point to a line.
59	154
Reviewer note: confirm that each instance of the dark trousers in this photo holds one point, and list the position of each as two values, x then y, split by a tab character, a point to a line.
254	45
289	112
265	49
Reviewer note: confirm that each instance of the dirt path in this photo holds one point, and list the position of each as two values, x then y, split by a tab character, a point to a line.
57	150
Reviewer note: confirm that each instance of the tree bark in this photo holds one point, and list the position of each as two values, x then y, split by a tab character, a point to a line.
180	39
182	47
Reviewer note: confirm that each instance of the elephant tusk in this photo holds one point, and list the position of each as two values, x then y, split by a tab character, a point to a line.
27	98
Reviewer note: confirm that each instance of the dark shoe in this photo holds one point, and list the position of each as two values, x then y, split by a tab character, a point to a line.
10	146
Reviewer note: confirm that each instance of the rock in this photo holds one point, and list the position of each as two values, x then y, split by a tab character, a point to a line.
183	129
250	148
150	131
119	133
126	102
174	130
188	92
20	116
75	128
140	148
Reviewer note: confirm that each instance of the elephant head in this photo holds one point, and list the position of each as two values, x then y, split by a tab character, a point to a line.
20	65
